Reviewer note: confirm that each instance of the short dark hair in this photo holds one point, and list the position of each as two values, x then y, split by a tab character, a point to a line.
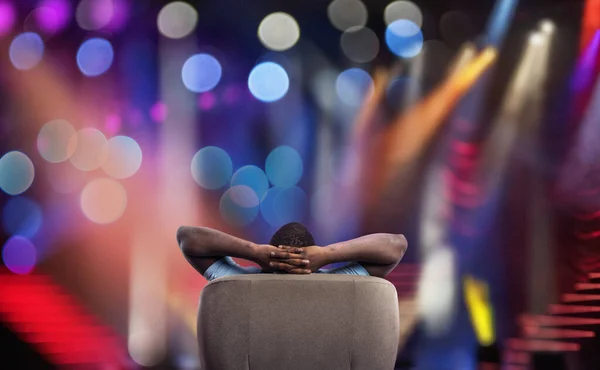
293	234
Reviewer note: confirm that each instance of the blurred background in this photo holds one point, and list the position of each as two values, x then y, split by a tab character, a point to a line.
472	127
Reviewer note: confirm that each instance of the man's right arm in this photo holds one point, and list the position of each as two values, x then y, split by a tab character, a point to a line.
203	246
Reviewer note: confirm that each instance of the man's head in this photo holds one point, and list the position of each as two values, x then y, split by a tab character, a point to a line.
293	234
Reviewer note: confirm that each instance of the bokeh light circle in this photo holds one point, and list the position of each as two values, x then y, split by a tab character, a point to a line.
124	157
177	20
95	56
239	205
403	10
284	166
26	50
103	201
252	177
21	216
19	255
404	38
278	31
57	141
7	17
201	73
354	86
91	151
93	15
212	167
345	14
267	206
268	82
360	44
53	15
64	178
290	205
16	172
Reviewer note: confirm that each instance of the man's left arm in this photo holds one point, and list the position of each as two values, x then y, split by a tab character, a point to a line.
377	253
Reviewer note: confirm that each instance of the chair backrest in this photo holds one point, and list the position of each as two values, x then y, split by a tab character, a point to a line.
298	322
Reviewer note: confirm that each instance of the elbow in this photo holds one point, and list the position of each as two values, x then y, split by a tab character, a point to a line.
183	235
400	246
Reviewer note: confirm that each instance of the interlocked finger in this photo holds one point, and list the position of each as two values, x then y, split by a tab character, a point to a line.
285	255
295	262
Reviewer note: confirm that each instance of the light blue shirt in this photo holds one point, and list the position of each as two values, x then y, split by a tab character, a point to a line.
227	267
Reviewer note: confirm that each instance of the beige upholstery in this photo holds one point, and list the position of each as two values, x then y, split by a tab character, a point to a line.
298	322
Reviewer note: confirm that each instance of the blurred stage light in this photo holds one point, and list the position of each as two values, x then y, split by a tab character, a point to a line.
103	200
64	178
159	112
7	17
177	20
121	10
547	26
345	14
201	73
26	50
500	20
354	86
239	205
284	166
19	255
51	16
278	31
21	216
211	167
267	206
322	85
437	291
253	177
360	44
456	28
207	101
91	151
16	172
95	56
268	82
480	310
536	38
244	196
93	15
403	10
290	205
590	24
404	38
112	124
57	141
124	157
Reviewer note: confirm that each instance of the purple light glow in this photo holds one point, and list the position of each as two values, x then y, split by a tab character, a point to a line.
53	15
207	101
112	124
102	12
231	94
586	64
159	112
120	15
19	255
7	17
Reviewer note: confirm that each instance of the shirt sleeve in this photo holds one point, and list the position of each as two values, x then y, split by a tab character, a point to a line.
226	266
352	268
